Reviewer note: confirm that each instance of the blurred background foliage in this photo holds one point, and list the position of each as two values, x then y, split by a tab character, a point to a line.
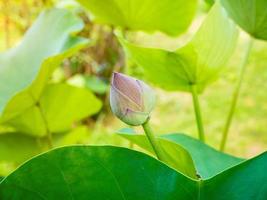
91	68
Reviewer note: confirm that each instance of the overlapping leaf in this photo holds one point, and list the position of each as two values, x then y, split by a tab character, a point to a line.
199	62
169	16
250	15
207	161
175	155
107	172
64	104
25	69
61	105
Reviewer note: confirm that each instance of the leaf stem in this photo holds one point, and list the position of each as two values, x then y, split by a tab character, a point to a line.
197	113
236	93
153	141
48	132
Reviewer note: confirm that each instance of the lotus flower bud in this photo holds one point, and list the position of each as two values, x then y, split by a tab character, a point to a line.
131	100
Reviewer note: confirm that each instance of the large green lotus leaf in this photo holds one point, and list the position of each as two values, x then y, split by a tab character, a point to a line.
82	172
61	105
250	15
207	161
96	172
175	155
199	62
169	16
26	68
246	181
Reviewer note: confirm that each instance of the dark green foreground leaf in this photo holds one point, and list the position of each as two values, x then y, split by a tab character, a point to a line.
114	173
208	161
97	173
246	181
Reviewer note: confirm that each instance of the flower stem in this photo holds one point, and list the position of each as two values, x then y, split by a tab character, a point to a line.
153	141
236	93
197	113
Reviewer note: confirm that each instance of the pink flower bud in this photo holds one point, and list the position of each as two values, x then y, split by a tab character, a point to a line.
131	100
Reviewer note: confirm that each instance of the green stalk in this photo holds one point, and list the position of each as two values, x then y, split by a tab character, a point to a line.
153	141
236	94
197	109
48	132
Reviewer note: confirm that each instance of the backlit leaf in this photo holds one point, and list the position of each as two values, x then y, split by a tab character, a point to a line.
207	161
26	68
61	106
199	62
175	155
169	16
250	15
